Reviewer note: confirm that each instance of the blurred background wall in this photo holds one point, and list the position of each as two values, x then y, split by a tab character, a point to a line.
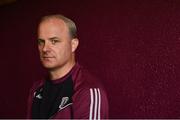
133	46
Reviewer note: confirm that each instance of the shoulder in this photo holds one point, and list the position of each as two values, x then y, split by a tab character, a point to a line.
89	96
86	80
32	90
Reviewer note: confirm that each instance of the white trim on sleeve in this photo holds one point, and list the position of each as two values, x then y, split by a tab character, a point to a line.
95	105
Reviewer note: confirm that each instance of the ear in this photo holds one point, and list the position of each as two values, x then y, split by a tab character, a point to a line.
74	44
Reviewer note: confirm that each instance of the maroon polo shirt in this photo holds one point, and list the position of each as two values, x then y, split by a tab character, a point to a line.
77	95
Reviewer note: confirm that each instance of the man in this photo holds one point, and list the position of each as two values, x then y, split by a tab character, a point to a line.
69	91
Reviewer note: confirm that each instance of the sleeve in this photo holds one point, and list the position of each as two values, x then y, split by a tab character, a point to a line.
29	104
91	103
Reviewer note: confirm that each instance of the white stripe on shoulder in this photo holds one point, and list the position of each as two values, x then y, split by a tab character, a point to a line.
99	104
96	102
95	105
91	105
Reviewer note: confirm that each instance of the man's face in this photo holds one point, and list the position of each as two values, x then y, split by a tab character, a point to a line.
54	43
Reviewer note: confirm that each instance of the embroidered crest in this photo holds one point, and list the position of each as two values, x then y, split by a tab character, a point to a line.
64	103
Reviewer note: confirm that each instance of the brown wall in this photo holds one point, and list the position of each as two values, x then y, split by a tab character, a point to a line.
132	45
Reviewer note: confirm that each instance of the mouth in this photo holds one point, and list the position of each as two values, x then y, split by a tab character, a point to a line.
47	58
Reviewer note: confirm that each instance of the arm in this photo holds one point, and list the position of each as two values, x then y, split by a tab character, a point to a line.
91	103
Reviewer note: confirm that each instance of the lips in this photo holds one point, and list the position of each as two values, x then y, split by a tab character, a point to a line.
47	58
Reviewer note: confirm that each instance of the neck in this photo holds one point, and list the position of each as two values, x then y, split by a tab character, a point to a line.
61	71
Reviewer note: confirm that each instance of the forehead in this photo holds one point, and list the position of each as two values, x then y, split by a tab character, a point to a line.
52	23
52	26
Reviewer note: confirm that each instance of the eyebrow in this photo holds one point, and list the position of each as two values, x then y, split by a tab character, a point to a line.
39	39
52	38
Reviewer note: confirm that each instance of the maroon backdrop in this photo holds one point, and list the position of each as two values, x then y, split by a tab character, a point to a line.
132	45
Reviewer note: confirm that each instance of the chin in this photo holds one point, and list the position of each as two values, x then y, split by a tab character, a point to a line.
52	65
48	66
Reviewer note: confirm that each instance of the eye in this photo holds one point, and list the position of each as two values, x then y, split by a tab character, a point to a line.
54	41
41	42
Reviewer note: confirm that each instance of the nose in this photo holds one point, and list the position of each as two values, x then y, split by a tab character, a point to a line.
46	47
